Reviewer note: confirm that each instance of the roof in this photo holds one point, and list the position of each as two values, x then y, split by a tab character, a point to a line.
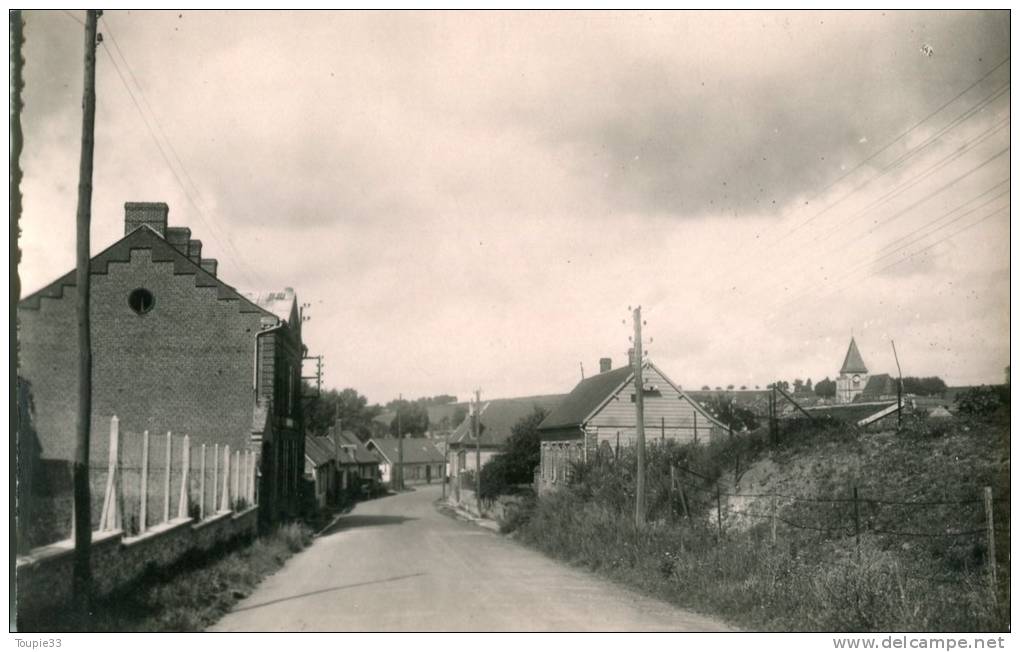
144	237
879	385
585	398
417	450
319	450
848	412
352	449
499	416
853	363
280	304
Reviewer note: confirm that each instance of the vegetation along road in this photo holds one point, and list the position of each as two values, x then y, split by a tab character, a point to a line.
396	564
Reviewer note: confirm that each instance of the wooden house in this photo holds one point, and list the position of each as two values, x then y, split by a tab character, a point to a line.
600	414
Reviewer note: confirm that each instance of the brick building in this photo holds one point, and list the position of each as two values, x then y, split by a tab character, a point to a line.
174	349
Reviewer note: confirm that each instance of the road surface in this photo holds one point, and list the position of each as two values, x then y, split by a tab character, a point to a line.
396	564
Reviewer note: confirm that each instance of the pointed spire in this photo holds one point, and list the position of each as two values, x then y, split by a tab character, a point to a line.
853	363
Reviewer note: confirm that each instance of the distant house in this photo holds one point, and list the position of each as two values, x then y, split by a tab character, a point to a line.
320	469
498	417
879	387
357	466
423	462
600	413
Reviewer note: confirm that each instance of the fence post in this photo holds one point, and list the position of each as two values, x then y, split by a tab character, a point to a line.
215	478
857	526
110	517
254	478
616	455
237	477
166	479
144	498
201	487
990	522
773	521
225	498
247	479
718	510
695	426
182	504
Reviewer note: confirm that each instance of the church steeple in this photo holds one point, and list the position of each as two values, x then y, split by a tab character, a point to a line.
853	363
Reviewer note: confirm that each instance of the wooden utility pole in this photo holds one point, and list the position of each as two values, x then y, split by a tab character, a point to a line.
399	471
82	582
477	425
899	388
17	63
639	403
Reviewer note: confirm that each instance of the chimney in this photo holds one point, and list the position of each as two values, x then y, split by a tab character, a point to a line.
151	214
209	265
630	356
605	364
178	237
195	251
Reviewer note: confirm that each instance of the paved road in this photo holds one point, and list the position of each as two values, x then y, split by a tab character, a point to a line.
396	564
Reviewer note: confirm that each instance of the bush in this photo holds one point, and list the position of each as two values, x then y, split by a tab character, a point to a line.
982	400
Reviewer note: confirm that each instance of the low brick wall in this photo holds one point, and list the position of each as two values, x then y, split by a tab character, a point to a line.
44	575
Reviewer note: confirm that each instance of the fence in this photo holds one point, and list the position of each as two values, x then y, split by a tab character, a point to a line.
144	481
157	499
843	517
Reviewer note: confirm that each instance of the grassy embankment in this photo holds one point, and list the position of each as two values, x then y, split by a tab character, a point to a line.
912	570
188	597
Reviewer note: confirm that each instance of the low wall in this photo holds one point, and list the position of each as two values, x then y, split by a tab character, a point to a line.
497	509
44	575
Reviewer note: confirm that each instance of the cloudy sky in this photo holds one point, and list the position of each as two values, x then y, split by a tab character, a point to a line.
474	199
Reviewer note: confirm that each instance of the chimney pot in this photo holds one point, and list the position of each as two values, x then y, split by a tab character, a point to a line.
151	214
605	364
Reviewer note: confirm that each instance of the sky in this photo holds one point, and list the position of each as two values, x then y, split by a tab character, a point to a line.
476	200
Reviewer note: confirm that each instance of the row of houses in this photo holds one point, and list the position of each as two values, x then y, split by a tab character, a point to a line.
339	465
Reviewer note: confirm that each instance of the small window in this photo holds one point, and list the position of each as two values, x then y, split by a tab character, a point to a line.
141	301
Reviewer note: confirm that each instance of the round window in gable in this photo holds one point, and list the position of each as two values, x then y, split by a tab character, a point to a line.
141	301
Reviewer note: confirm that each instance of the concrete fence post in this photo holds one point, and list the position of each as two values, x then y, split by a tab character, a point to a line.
225	498
237	478
166	478
110	517
216	478
182	504
143	508
201	486
255	479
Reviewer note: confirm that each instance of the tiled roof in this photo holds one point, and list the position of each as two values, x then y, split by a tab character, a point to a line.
584	398
879	385
319	450
417	450
499	417
853	363
162	251
352	449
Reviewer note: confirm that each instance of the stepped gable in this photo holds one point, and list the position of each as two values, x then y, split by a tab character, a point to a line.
143	237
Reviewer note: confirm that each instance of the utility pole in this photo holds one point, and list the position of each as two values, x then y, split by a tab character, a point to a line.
899	388
400	447
82	581
17	37
477	425
639	403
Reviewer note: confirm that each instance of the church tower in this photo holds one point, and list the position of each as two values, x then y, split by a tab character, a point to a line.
853	375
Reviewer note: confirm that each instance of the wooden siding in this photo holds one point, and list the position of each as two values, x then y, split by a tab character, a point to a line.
670	411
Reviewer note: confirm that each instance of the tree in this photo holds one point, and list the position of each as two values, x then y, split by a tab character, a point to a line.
727	411
807	386
413	417
798	385
705	388
927	386
825	388
520	457
729	388
352	408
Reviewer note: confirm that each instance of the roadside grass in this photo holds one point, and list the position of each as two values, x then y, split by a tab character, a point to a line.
815	578
187	597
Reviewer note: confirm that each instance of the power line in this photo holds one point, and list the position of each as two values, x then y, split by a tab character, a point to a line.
897	139
970	112
213	231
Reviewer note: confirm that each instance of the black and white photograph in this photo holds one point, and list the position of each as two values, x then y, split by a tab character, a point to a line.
520	320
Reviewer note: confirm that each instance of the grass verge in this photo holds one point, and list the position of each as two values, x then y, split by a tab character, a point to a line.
187	597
